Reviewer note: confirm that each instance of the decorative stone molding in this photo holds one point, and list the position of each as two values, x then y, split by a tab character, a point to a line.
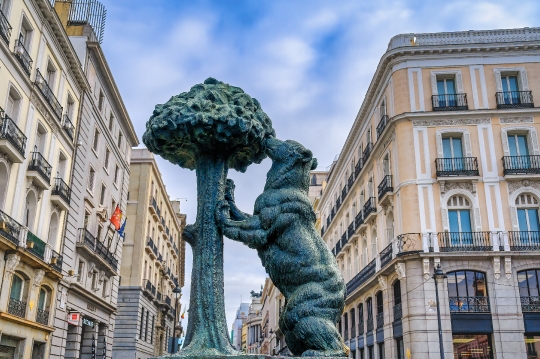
38	278
427	273
475	207
400	270
508	267
523	119
30	186
4	158
383	282
497	267
102	214
467	186
516	185
12	262
452	122
101	276
91	269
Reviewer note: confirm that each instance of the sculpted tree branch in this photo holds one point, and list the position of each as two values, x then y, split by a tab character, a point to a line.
211	128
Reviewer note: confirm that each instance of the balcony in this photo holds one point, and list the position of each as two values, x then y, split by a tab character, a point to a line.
370	322
48	94
57	261
520	165
361	327
398	312
358	168
68	127
350	230
5	28
386	255
42	316
524	240
450	102
149	289
367	152
380	320
23	57
514	99
469	304
370	210
35	245
9	228
92	246
465	241
358	220
40	171
151	248
459	166
362	276
17	307
530	304
385	187
61	194
12	139
382	125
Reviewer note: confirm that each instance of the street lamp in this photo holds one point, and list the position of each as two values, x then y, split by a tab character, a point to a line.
439	275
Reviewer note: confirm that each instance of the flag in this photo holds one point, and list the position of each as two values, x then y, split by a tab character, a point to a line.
122	229
116	218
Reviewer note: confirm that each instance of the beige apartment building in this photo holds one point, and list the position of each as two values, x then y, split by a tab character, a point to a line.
41	85
151	267
441	167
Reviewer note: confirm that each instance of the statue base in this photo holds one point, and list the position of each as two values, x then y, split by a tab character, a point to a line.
240	356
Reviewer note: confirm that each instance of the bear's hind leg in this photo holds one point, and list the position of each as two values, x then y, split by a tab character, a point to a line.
321	337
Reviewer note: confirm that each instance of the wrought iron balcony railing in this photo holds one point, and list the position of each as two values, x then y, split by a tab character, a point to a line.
97	247
524	240
469	304
39	164
361	328
10	228
344	240
350	230
369	322
459	166
353	331
68	127
42	317
514	99
369	206
48	94
23	56
62	189
57	261
530	304
350	181
358	168
367	152
382	125
514	165
380	320
362	276
398	312
17	307
450	102
168	300
358	220
386	255
385	186
38	248
150	288
5	28
12	133
464	241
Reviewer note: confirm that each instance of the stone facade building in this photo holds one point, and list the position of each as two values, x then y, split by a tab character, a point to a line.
441	168
100	176
41	87
273	340
151	267
253	324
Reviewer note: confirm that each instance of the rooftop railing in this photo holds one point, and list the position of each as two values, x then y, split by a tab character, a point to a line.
48	94
514	99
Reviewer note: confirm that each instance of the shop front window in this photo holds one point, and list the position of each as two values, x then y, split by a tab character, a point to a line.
472	346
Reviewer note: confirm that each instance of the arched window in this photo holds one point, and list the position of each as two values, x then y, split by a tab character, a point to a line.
346	326
397	300
529	284
467	292
53	230
360	318
43	306
4	183
459	214
369	309
352	315
17	295
527	212
380	310
386	165
389	227
30	210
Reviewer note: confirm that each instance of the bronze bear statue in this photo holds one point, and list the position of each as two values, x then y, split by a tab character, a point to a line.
282	230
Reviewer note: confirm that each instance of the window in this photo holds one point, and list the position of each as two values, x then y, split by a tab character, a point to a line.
146	327
371	352
141	327
400	348
467	292
313	180
86	219
397	300
94	280
369	307
116	173
380	313
70	108
107	156
13	104
95	143
51	75
104	289
80	271
152	331
381	350
111	122
360	319
472	346
120	138
100	100
452	147
529	288
102	194
42	299
459	218
17	286
527	212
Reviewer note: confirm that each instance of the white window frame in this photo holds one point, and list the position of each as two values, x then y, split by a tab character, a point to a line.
476	222
447	73
466	140
532	138
523	82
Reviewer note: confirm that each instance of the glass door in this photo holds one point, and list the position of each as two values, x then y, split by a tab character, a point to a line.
519	151
460	226
510	89
529	225
453	154
446	91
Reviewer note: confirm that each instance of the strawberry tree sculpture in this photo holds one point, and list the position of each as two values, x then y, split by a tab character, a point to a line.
209	129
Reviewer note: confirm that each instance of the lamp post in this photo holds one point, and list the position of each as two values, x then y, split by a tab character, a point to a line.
177	293
439	274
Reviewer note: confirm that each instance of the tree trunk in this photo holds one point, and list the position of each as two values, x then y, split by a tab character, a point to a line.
207	332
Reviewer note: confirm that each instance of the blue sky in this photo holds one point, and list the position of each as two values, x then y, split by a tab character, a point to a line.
309	63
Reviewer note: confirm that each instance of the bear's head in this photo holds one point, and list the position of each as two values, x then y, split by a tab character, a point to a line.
291	163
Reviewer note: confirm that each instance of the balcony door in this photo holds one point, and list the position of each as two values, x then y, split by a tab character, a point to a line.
528	221
16	288
453	154
459	220
510	89
446	91
519	151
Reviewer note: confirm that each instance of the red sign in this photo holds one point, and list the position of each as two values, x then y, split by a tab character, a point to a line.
73	318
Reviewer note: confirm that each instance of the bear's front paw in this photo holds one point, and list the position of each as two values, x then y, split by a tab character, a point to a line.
222	211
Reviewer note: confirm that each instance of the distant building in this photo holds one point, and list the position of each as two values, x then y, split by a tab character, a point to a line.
273	302
317	181
253	324
152	265
241	317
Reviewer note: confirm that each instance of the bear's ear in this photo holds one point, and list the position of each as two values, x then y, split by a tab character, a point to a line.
306	155
314	164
